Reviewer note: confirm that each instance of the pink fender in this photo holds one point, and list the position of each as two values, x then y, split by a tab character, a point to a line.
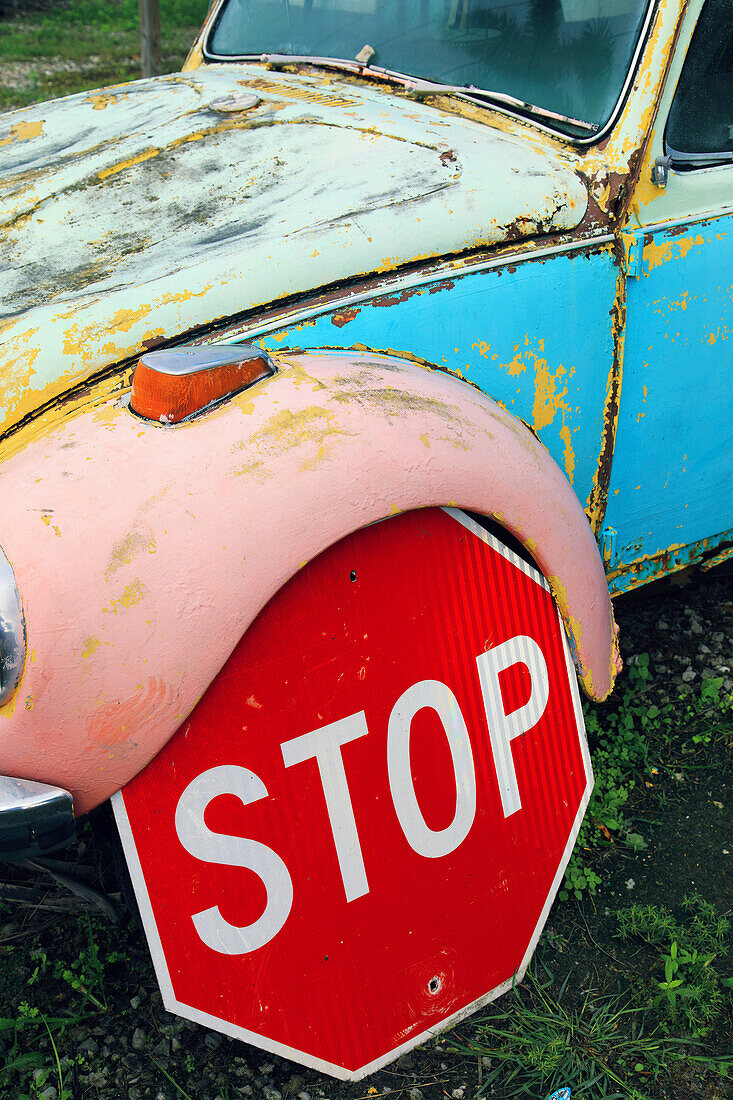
142	552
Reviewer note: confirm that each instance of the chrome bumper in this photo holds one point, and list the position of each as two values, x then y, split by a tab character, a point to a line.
35	818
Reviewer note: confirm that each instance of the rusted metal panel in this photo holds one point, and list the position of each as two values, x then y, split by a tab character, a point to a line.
140	211
548	364
623	576
672	478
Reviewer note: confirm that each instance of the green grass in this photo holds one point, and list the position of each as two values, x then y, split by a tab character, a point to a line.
87	44
689	985
634	741
60	989
602	1048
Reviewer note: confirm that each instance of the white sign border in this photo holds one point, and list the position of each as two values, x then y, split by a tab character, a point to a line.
215	1023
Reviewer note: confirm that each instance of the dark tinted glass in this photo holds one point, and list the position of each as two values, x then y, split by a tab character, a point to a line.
701	119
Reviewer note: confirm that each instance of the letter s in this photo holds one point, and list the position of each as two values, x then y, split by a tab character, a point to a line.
200	842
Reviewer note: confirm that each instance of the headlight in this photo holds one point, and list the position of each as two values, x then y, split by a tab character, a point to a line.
12	631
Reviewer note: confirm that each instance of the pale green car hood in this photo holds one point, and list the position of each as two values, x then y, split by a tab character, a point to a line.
141	212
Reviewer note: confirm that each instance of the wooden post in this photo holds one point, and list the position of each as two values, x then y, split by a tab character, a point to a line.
149	37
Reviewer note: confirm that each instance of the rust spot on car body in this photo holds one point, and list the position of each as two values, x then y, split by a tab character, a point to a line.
342	316
596	505
387	300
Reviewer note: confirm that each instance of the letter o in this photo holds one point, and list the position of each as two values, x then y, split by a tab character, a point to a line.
431	843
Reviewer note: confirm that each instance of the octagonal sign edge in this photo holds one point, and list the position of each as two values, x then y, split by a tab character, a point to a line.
358	875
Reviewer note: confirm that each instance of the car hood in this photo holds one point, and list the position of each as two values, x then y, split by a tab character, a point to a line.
142	211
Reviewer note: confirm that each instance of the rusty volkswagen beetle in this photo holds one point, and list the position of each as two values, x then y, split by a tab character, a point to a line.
357	258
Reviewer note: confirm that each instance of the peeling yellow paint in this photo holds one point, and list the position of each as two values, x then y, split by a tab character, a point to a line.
550	396
77	338
105	173
674	248
132	594
100	100
23	131
568	452
194	59
91	645
522	358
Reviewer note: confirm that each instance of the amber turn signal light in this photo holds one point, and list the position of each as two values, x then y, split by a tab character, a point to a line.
170	386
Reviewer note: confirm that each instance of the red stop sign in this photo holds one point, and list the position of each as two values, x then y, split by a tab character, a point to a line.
356	836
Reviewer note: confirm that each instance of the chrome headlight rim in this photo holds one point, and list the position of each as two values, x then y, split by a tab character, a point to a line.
12	632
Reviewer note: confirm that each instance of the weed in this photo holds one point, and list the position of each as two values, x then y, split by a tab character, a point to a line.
32	1041
620	754
85	974
40	968
63	1093
708	716
599	1048
17	1061
692	994
168	1077
623	739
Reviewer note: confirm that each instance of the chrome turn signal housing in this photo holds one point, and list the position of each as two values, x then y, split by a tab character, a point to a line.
175	385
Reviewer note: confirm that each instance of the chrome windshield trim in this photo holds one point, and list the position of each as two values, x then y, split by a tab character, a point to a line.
696	218
346	65
12	631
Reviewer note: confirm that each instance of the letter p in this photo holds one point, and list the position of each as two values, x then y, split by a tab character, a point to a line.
503	728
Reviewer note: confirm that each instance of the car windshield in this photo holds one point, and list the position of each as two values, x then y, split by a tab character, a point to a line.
569	57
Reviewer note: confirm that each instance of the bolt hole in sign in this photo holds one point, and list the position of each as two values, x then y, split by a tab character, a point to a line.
355	838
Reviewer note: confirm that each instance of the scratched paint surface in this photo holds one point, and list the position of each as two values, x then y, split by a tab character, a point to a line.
672	476
139	212
536	336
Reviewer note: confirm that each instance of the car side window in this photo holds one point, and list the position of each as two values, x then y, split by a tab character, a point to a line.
700	125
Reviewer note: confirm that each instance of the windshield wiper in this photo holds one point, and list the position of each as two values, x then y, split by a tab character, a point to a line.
417	88
420	89
337	64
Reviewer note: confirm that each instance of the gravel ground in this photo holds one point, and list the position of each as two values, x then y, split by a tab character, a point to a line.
137	1050
20	75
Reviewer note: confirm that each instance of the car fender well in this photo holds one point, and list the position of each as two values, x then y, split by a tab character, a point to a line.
142	552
